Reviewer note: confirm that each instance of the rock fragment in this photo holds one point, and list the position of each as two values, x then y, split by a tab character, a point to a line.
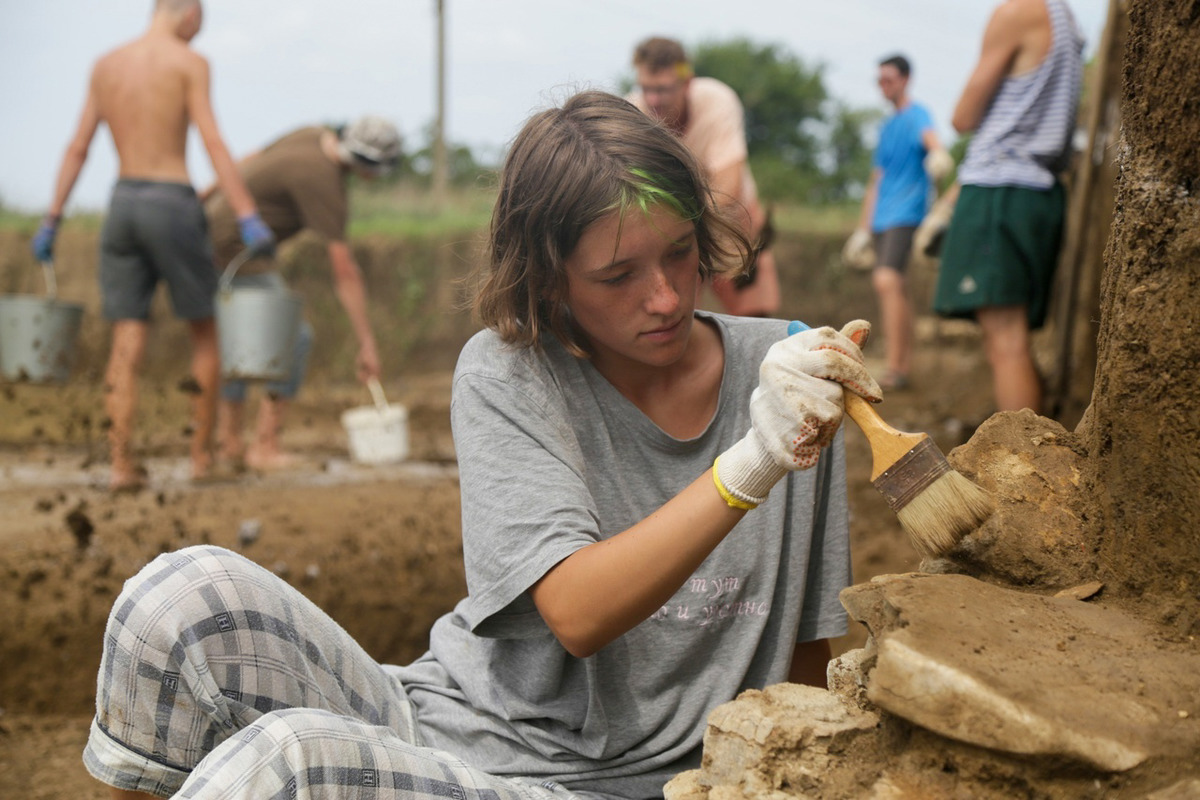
248	531
787	740
947	661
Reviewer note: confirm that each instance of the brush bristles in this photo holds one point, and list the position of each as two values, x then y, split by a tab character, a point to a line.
947	510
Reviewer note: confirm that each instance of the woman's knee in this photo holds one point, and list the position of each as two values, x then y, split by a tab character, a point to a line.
186	570
173	594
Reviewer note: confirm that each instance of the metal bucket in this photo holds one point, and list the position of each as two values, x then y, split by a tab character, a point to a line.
37	338
256	328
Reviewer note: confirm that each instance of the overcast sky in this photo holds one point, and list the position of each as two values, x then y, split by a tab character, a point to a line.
280	64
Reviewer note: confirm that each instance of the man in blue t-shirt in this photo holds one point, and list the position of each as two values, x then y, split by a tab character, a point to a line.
908	160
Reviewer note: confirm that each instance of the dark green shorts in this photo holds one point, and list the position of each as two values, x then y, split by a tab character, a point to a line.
1001	250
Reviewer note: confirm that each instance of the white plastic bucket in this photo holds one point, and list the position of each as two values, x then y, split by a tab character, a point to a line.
37	338
377	435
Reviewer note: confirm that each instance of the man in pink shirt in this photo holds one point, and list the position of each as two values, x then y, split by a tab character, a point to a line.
707	116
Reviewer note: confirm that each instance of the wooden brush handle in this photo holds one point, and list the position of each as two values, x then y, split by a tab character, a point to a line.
888	445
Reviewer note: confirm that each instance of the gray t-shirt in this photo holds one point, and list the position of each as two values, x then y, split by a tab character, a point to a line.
553	458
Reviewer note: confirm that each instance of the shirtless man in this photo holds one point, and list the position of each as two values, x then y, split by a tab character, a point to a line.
1001	249
148	92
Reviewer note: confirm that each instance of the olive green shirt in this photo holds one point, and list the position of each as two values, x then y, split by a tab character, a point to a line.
295	185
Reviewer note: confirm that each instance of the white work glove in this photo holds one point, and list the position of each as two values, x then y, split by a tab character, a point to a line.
939	164
859	250
795	410
928	237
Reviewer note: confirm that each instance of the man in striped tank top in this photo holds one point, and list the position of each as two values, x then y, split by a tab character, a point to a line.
1002	246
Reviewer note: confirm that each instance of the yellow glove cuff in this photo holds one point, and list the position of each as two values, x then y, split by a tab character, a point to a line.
726	495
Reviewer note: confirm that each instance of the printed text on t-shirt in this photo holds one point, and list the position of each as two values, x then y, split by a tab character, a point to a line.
717	599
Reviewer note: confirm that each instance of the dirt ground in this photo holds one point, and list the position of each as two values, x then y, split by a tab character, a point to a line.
376	547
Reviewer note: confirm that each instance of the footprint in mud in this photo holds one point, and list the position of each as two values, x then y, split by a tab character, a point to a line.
189	385
81	526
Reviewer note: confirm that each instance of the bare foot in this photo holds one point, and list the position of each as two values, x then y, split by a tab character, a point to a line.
202	466
128	479
272	461
230	464
893	381
220	471
231	451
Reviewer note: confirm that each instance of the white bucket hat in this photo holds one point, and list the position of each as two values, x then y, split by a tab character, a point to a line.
370	142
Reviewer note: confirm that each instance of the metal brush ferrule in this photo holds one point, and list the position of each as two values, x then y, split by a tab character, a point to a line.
912	474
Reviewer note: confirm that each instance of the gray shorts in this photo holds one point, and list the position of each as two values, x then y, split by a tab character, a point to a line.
893	245
156	231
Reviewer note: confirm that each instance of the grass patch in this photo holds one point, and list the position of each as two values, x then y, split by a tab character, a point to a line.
817	220
22	222
405	211
16	221
408	212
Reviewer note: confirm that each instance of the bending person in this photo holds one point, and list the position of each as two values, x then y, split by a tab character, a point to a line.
299	183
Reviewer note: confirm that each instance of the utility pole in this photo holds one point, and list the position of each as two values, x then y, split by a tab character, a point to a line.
440	169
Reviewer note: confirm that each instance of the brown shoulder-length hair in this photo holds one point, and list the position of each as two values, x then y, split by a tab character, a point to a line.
567	168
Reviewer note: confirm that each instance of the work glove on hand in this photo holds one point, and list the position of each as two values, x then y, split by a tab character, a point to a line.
859	250
795	410
938	164
43	240
256	235
931	232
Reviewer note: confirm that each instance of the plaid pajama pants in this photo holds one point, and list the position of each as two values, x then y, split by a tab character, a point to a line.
219	680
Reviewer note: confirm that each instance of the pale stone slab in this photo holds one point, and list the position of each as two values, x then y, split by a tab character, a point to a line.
1027	674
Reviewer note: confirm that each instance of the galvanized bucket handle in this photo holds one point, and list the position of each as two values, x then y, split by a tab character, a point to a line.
51	282
234	265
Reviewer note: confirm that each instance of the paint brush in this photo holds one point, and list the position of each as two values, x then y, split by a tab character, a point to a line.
936	505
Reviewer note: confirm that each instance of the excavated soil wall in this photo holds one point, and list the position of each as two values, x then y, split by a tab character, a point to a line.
1143	430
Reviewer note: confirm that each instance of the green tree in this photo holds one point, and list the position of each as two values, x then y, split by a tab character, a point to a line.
803	144
464	168
849	155
782	95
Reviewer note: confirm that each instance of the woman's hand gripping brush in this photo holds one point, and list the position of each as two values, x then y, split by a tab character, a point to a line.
796	409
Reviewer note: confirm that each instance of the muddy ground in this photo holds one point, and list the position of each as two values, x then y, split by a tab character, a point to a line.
378	548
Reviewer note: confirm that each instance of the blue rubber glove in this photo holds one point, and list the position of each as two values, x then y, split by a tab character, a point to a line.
256	235
43	240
